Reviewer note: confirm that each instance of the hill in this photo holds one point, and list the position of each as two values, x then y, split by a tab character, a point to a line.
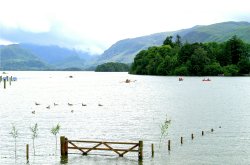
14	57
58	57
125	50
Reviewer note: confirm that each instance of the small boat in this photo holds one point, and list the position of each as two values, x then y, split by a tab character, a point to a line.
127	81
181	79
206	79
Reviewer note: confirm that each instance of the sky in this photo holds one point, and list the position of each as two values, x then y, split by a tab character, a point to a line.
94	25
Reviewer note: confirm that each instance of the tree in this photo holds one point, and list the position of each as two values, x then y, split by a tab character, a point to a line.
34	131
186	52
181	71
230	70
178	41
213	69
168	41
197	62
112	67
244	66
55	131
235	49
14	133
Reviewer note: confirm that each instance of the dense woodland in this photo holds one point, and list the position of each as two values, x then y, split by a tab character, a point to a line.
230	58
112	67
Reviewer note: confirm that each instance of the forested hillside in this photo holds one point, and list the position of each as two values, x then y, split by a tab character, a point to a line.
230	58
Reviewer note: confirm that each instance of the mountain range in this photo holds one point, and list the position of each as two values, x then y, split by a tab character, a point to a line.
27	56
125	50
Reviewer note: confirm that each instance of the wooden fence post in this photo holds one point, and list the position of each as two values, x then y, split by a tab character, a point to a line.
27	152
140	153
169	145
202	133
64	146
10	80
181	140
4	83
152	148
192	136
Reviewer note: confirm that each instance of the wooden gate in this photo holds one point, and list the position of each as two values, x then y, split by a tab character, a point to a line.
100	146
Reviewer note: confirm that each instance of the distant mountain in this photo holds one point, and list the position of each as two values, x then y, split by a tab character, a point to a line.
37	57
59	57
125	50
14	57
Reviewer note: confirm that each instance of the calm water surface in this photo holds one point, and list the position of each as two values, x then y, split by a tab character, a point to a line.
130	112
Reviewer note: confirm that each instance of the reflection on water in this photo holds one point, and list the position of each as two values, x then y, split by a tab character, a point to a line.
130	112
64	159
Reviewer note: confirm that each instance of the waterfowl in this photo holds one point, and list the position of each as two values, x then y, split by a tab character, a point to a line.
70	104
33	112
72	111
48	107
55	104
84	104
100	105
37	103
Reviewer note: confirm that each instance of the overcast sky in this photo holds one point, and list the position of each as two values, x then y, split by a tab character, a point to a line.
94	25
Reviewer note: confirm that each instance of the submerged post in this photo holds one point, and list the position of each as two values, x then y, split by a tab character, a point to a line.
64	146
140	153
27	152
153	151
10	80
202	133
212	130
192	136
181	140
4	83
169	145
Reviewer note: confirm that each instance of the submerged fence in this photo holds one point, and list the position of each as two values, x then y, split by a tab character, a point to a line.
80	145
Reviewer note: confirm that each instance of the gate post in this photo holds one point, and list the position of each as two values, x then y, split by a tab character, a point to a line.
140	152
64	146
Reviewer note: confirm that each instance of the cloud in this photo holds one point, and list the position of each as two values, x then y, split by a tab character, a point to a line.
93	25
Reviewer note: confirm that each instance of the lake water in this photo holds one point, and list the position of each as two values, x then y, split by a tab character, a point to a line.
130	112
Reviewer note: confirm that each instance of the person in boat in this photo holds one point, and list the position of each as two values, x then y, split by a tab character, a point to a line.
180	79
127	81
